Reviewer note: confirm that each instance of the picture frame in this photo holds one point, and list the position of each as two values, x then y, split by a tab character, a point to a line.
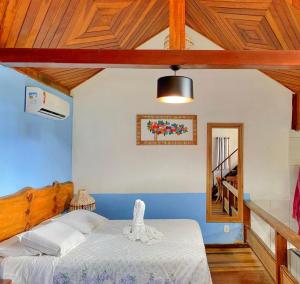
161	129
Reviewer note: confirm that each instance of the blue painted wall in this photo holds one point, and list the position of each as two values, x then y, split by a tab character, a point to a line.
169	206
34	151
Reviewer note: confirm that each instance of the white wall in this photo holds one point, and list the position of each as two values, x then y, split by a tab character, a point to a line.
280	209
107	160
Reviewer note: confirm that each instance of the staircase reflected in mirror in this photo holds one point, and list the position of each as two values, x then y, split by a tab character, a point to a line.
224	189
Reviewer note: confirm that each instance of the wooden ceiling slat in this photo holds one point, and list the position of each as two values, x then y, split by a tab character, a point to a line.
65	26
7	17
287	26
73	82
31	25
273	40
3	9
68	73
278	27
134	13
20	12
157	22
290	79
63	71
140	13
96	44
51	23
233	4
44	78
240	11
70	76
69	80
205	21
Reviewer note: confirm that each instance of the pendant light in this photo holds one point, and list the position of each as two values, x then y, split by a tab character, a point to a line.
175	89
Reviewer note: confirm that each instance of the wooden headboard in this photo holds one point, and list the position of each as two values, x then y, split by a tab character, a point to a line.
29	207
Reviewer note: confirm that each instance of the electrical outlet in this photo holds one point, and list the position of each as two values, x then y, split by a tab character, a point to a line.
226	229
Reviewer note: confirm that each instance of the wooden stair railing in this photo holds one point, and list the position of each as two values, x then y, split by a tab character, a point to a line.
283	234
219	180
233	180
230	198
229	157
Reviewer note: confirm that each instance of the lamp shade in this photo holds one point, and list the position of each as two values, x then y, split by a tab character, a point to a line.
82	200
175	89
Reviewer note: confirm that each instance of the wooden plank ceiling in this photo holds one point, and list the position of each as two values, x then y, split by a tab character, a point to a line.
126	24
251	24
107	24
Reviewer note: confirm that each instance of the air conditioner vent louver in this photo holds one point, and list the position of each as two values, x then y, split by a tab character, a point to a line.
51	113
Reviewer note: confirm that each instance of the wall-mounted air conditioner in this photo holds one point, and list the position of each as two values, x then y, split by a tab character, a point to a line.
40	102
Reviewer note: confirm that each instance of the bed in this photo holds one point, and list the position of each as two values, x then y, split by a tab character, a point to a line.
107	256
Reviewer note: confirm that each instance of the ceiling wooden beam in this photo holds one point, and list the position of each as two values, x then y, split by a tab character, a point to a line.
159	59
296	112
177	24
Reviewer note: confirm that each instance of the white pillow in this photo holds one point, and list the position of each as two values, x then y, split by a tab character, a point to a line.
82	220
13	247
54	238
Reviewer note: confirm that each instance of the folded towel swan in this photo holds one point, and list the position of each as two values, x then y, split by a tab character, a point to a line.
138	231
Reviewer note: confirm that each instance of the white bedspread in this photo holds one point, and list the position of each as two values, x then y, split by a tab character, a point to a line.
108	257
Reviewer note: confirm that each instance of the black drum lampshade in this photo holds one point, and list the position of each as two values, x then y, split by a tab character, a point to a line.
175	89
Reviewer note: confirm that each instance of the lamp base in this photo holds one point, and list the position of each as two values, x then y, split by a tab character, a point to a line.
89	207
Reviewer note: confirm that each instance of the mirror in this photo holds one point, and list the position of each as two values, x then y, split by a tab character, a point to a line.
224	197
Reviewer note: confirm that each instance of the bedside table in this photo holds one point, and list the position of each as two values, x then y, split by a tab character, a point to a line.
5	281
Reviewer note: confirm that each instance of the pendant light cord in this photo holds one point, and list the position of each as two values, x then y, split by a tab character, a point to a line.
175	68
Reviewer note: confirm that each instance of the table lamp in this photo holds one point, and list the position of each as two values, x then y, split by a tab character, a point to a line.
82	200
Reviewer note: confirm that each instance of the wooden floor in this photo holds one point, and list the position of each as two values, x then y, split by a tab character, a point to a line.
217	209
236	265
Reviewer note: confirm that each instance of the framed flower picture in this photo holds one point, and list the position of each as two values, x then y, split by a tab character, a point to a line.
166	129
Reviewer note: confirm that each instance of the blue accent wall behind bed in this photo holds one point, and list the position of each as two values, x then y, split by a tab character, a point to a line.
34	151
170	206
